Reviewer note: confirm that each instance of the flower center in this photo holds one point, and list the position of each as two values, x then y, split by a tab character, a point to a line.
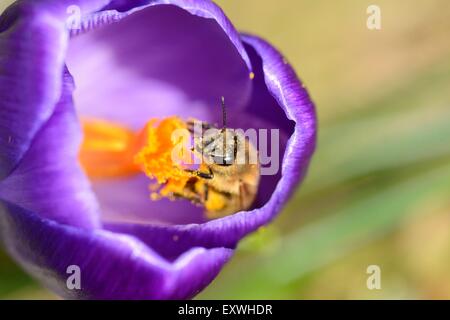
160	150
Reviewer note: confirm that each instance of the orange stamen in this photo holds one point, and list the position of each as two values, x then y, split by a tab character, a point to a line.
159	150
105	151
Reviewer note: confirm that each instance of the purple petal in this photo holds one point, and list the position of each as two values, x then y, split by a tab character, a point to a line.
31	63
48	179
201	8
157	61
112	266
290	99
33	40
127	200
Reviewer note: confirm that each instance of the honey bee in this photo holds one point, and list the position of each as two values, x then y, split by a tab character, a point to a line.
227	180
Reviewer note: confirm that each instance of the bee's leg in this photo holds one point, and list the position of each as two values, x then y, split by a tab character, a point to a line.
205	175
241	194
201	174
189	195
193	198
206	193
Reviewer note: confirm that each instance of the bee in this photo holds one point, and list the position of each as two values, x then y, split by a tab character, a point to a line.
227	179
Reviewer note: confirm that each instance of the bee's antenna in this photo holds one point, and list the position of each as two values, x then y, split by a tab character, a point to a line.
224	113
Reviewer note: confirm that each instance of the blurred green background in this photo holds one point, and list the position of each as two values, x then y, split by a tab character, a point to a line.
377	192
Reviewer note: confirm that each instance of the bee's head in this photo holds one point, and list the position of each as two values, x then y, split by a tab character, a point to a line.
219	146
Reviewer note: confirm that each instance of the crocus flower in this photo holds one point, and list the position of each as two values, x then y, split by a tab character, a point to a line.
128	61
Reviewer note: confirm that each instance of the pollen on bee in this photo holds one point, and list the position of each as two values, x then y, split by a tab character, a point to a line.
155	196
215	202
